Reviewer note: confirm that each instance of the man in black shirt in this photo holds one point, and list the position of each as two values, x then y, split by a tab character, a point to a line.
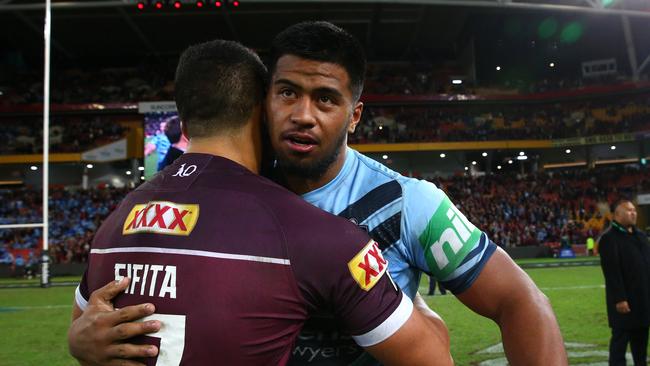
625	259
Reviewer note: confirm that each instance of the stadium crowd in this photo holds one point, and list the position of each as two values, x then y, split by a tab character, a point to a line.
386	125
74	217
544	208
72	134
507	122
150	81
514	210
153	81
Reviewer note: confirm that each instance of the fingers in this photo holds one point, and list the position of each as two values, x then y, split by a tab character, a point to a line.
120	362
131	313
123	351
104	295
129	330
623	309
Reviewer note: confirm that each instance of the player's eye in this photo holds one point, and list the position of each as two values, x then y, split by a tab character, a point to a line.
287	93
325	99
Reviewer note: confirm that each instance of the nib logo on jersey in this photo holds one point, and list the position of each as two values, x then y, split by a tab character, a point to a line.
161	217
447	239
368	266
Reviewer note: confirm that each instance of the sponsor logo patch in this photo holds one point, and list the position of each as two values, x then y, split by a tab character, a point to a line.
447	239
161	217
368	266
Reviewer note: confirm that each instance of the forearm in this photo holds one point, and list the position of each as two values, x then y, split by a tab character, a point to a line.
426	345
530	332
504	293
431	316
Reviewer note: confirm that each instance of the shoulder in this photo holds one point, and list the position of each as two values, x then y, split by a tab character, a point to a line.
373	167
608	233
607	238
300	218
414	190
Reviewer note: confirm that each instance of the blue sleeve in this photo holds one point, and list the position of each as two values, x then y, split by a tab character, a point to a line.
440	239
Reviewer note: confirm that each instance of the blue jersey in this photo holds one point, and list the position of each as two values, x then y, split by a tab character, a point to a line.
418	228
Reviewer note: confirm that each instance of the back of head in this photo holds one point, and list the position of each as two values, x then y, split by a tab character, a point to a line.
322	41
218	85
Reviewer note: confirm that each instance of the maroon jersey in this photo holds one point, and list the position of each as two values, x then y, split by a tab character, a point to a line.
235	264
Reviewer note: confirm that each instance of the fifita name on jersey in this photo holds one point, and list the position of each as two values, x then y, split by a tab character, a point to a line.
161	217
144	279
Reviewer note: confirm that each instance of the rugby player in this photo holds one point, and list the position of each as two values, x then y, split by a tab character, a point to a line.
233	263
312	103
317	73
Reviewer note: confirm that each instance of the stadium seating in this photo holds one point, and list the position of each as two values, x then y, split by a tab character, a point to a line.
385	125
67	134
544	208
74	217
154	81
503	122
514	210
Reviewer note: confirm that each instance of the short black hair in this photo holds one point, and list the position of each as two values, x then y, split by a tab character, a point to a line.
621	201
218	84
173	129
322	41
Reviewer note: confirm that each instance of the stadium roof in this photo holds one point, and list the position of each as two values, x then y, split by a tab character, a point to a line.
116	33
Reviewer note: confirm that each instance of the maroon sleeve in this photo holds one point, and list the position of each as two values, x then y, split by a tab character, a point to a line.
340	269
82	294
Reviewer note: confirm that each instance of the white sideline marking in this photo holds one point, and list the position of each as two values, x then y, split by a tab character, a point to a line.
582	352
423	289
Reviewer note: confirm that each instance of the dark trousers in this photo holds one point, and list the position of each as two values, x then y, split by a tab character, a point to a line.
638	340
432	287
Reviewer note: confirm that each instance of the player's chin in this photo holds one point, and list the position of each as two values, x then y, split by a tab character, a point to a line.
300	165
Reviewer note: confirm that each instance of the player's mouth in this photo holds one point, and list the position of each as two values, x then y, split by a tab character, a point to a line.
299	142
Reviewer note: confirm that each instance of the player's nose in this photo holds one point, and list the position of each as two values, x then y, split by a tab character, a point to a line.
303	113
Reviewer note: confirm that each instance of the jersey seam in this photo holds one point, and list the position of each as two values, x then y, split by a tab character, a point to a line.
378	170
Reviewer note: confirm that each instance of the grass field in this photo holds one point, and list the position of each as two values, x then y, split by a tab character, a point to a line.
33	321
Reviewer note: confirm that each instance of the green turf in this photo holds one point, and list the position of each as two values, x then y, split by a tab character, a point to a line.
556	260
578	298
36	281
37	319
34	324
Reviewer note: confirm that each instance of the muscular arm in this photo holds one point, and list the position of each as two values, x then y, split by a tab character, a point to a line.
505	294
96	335
431	316
418	342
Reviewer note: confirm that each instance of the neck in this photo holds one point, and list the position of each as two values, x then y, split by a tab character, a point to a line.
300	184
242	146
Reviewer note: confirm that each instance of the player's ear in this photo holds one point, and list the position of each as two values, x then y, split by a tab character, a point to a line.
356	117
184	130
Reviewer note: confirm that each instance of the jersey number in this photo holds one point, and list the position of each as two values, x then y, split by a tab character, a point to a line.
172	338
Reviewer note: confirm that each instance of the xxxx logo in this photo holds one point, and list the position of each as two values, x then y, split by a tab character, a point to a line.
161	217
368	266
